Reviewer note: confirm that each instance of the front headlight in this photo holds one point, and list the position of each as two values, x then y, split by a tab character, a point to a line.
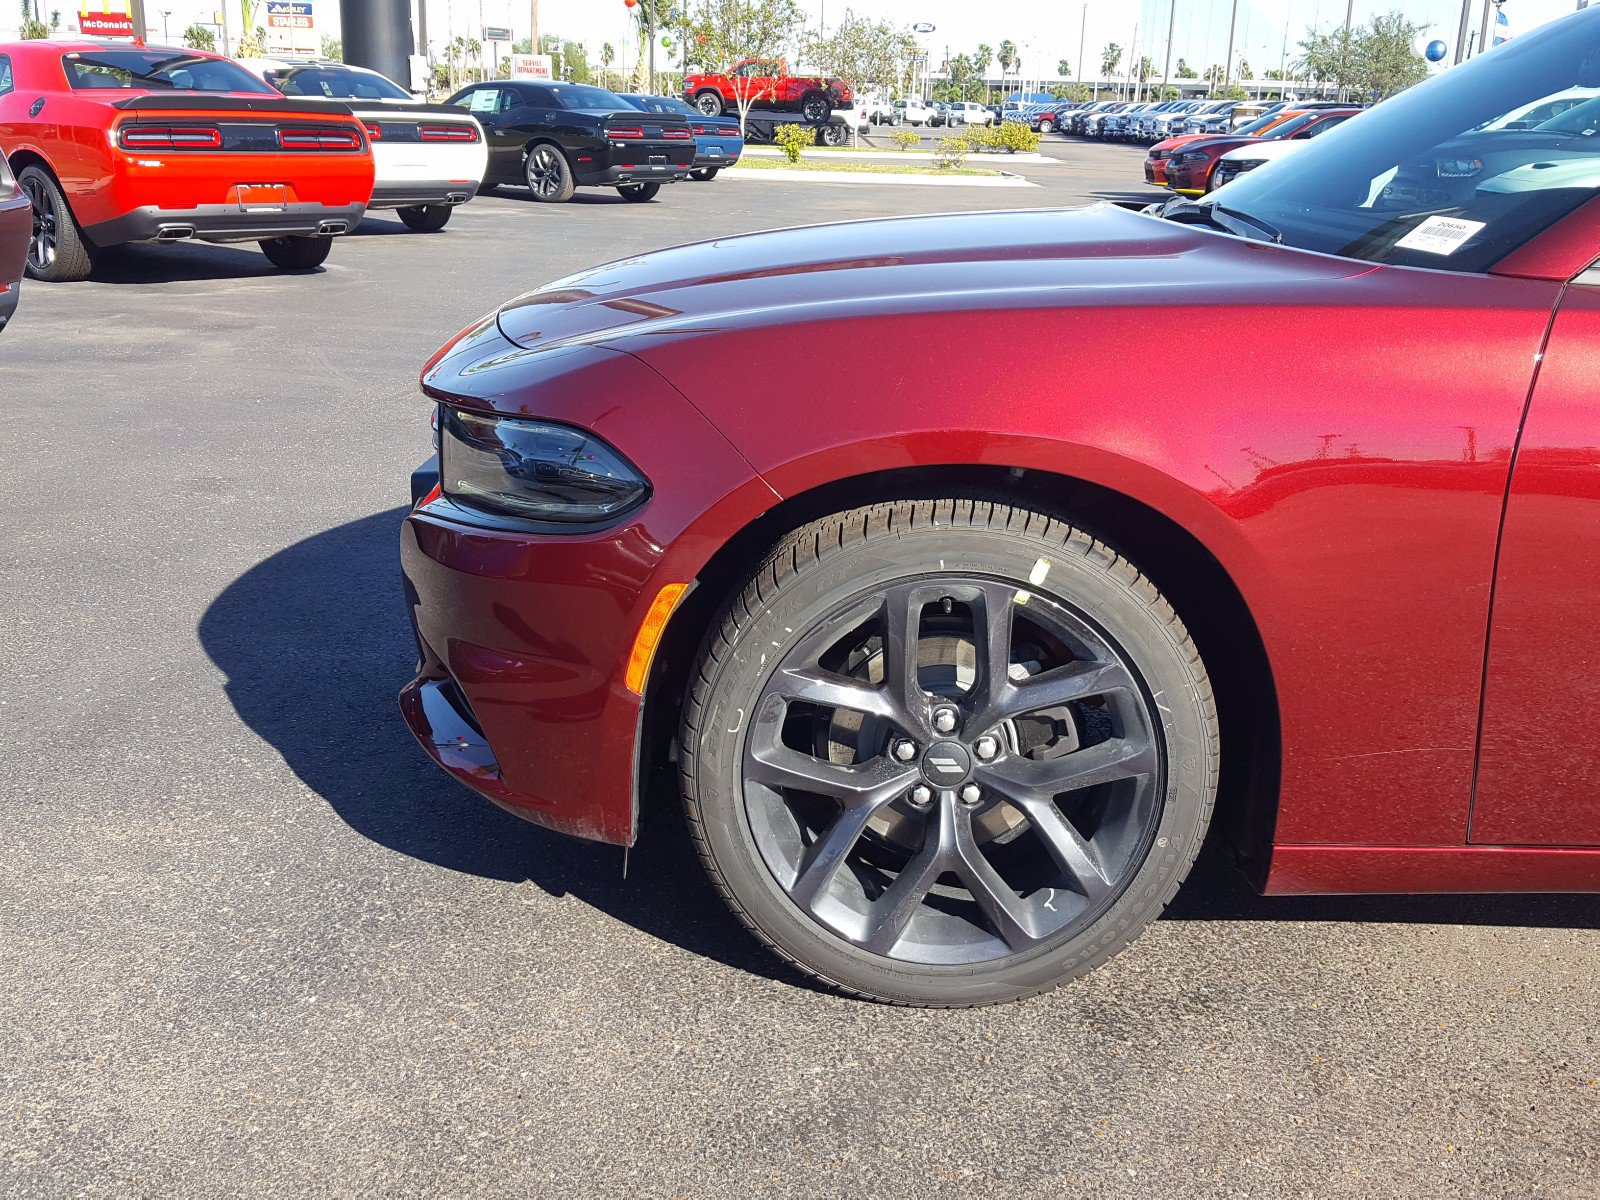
534	470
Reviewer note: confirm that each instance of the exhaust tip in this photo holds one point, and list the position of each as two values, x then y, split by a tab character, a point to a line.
332	228
175	233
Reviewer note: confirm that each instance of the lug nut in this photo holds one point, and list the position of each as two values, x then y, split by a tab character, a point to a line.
986	748
944	720
921	796
905	751
970	795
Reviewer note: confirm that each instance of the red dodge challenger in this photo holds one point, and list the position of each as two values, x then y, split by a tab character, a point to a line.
956	663
119	143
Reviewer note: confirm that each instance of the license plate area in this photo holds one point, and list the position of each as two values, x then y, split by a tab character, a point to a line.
658	162
263	197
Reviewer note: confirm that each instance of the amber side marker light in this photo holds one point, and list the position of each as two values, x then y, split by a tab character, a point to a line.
649	636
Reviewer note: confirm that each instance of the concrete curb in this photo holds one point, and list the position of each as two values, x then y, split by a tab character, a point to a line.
881	177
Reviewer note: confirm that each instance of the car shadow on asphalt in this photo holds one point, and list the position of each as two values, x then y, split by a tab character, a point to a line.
315	643
184	262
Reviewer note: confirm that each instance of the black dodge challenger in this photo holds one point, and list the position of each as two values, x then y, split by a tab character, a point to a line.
557	137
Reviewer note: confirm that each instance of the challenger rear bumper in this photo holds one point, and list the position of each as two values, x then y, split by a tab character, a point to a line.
225	223
420	193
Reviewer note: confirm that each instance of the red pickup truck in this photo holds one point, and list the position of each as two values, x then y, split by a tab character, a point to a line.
767	83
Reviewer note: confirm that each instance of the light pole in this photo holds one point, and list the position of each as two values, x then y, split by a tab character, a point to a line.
165	13
1172	28
1083	31
1227	66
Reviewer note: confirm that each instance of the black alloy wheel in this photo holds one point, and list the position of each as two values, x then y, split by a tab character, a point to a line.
550	175
426	218
57	249
639	192
923	759
709	103
815	108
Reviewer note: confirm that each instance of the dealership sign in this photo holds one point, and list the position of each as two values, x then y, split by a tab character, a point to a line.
531	66
495	33
109	18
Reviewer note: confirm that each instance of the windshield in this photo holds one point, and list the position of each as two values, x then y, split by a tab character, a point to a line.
151	70
581	95
336	83
1437	176
1261	123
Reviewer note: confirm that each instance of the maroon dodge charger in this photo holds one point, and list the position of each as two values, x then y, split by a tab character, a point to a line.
16	231
958	657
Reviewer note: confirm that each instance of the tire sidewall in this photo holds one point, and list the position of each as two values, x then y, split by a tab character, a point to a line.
1148	636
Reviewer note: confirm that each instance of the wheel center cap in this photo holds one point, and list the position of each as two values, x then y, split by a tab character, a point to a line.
946	764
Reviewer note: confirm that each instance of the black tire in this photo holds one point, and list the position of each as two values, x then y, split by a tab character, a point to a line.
1142	775
639	192
833	135
58	252
549	174
297	253
816	108
426	218
704	174
710	103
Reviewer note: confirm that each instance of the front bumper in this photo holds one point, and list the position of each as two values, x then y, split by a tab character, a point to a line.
1188	180
523	637
225	223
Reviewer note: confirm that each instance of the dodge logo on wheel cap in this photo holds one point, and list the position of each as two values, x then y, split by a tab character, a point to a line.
946	764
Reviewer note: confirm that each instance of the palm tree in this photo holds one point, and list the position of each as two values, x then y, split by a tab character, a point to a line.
1008	59
1110	60
981	59
1064	69
608	55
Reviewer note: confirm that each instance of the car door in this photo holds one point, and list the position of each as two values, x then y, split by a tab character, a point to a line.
485	102
1538	778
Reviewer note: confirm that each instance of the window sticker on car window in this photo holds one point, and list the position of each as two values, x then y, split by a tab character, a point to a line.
483	102
1439	235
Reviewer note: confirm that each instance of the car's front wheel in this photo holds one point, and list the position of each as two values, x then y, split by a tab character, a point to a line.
709	103
815	108
948	752
297	253
426	218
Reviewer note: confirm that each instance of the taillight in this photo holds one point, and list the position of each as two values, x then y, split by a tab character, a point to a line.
675	134
630	132
701	131
318	139
448	133
375	132
169	137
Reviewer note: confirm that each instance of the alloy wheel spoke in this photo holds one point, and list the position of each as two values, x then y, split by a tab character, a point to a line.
834	691
870	784
901	900
1066	845
999	903
1106	762
1065	685
827	854
992	614
902	618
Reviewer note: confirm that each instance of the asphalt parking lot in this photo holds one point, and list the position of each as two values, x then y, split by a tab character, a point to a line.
252	942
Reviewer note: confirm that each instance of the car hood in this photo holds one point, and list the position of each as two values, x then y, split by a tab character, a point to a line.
959	262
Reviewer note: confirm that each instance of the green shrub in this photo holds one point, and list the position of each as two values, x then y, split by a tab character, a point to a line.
1017	138
951	152
793	140
904	139
984	137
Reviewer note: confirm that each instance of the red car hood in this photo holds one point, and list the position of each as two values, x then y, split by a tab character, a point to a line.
968	262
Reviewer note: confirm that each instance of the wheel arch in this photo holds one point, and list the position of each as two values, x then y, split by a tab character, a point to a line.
1177	561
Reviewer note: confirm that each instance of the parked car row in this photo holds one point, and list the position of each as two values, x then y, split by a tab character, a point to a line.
112	143
1196	163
